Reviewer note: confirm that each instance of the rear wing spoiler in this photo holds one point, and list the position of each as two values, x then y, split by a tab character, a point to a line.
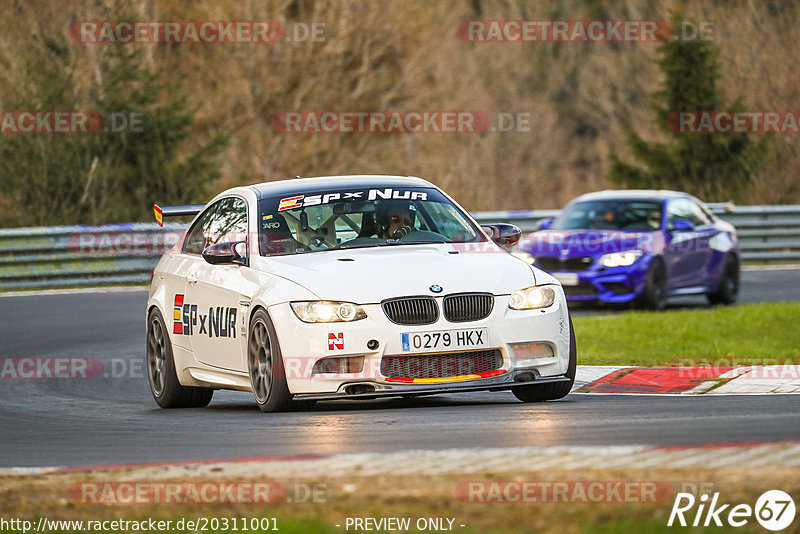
176	211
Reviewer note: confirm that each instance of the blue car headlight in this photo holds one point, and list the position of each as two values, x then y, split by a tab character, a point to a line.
620	259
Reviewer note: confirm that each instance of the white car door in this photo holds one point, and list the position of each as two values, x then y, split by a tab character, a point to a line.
184	320
215	291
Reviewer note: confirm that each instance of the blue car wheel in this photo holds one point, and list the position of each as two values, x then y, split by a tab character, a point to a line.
728	285
654	296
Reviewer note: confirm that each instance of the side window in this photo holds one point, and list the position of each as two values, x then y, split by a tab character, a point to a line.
445	220
197	237
680	208
229	222
225	220
689	210
708	212
701	217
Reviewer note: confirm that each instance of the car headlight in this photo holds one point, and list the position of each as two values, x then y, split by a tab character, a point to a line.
325	311
620	259
532	298
524	256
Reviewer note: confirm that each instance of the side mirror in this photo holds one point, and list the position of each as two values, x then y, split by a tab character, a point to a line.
504	235
222	253
545	223
682	225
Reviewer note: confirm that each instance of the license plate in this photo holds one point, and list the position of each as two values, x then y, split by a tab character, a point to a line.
416	342
566	279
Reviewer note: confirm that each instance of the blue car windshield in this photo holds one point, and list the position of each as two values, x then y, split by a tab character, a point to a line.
610	214
335	219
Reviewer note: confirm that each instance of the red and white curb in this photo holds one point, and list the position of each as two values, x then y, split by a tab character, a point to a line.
688	380
187	465
463	461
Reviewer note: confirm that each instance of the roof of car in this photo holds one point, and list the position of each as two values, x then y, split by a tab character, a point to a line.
633	194
357	181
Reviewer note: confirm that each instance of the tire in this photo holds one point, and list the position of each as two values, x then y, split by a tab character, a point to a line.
164	385
557	390
655	289
729	284
265	366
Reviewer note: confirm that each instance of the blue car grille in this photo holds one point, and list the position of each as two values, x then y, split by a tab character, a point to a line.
553	263
584	289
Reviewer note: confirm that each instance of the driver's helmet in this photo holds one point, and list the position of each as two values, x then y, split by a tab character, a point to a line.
387	211
654	219
602	217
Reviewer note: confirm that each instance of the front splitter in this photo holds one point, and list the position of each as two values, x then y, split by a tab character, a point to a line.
393	390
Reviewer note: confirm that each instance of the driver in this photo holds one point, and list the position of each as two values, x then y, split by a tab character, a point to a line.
654	219
395	218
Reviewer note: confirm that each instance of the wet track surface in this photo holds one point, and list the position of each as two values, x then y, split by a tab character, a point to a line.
112	419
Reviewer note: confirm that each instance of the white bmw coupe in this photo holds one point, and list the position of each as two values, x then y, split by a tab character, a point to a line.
350	287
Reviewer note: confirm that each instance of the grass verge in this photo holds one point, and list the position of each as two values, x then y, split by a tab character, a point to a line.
751	334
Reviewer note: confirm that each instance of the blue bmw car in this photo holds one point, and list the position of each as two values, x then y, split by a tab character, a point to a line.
637	248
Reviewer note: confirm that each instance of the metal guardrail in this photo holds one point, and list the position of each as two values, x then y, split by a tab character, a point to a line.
75	256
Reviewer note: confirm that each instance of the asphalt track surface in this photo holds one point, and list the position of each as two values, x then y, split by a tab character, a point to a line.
113	420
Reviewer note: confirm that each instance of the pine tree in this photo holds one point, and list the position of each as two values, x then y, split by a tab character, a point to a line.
713	166
99	178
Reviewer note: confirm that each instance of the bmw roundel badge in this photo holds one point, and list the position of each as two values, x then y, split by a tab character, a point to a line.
436	288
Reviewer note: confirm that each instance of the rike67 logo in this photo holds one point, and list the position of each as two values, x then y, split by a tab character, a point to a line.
220	321
774	510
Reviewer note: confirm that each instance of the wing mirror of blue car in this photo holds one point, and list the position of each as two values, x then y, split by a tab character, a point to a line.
682	225
504	235
222	253
545	223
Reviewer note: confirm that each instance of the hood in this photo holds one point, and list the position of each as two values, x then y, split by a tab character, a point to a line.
589	242
370	275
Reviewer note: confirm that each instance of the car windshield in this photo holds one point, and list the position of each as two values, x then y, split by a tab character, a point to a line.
610	214
337	219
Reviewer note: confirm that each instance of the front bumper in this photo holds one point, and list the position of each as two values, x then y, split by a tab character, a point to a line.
304	345
612	285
